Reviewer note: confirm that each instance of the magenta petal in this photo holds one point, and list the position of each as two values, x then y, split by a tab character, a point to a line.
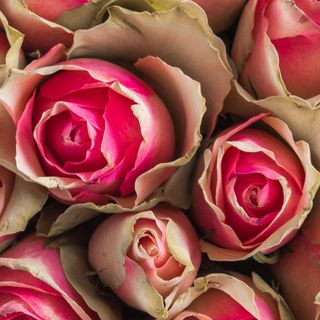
121	128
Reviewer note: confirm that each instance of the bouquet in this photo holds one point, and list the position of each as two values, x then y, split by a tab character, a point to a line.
159	159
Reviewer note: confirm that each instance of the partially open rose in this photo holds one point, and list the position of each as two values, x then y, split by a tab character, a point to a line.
33	285
148	172
220	296
97	128
277	46
253	189
148	258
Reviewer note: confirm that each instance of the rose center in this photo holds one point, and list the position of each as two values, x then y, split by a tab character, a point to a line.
78	133
149	246
252	196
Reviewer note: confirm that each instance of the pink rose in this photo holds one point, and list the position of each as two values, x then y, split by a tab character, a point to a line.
277	46
96	127
221	14
298	271
253	190
219	296
33	284
37	20
148	258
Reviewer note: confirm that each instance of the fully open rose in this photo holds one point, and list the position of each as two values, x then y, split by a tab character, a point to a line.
33	285
148	258
277	46
298	271
219	296
253	189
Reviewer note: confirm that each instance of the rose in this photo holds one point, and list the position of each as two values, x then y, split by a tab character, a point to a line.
298	270
33	284
180	93
38	21
221	14
96	127
220	296
148	258
253	189
277	46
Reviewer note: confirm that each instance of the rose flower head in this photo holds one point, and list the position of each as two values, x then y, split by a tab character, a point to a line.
148	258
253	189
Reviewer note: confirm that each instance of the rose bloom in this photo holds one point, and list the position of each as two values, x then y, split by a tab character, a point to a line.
33	285
253	189
277	46
97	127
221	14
148	258
298	271
220	296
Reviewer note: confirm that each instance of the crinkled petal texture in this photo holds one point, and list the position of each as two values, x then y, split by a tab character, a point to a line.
11	54
301	259
97	128
20	200
220	296
148	258
221	15
276	48
253	189
33	284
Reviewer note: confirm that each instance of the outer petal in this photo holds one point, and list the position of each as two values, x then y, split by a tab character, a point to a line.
221	15
253	296
44	264
148	35
34	27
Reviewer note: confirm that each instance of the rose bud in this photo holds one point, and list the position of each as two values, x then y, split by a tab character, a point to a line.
298	271
148	258
33	284
221	14
219	296
276	48
253	190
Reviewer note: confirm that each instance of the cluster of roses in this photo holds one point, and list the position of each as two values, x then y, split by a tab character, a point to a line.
140	137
